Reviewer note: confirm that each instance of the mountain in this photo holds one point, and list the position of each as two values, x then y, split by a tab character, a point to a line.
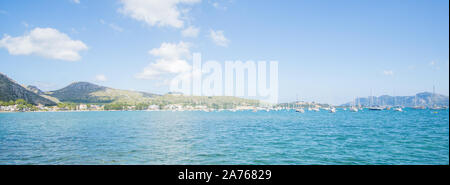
11	90
85	92
35	89
420	99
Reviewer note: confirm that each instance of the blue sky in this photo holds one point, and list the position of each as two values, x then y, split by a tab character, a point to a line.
328	51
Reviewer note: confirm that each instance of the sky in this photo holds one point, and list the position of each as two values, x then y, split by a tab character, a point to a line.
327	51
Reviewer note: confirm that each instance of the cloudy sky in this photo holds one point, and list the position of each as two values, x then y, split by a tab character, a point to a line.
328	51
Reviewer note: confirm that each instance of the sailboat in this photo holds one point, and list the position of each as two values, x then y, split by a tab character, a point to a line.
415	104
300	110
398	109
434	106
353	108
332	110
377	108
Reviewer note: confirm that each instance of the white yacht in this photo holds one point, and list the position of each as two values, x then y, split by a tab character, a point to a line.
398	109
300	110
332	110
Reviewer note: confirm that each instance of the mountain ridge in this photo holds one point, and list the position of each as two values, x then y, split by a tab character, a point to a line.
86	92
10	90
419	99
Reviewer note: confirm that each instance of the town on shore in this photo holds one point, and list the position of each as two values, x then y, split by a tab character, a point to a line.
85	96
21	105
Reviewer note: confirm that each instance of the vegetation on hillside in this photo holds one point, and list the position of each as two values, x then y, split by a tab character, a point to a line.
11	90
21	104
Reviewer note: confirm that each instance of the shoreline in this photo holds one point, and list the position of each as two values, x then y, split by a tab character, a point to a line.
211	110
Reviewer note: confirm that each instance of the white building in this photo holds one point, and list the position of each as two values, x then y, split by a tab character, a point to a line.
82	107
153	107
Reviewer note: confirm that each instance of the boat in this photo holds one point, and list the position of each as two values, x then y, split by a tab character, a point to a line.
398	109
300	110
353	109
332	110
436	108
415	104
316	109
375	108
418	107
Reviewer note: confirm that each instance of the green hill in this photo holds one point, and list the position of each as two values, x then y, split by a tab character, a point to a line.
85	92
89	93
34	89
11	90
225	102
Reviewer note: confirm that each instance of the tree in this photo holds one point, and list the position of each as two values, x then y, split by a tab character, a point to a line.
21	102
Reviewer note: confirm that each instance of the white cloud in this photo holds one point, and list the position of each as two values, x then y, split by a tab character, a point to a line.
190	31
101	78
219	38
156	12
46	42
112	26
115	27
76	1
172	59
388	72
218	5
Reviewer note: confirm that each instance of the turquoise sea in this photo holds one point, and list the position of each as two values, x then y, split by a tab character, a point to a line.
245	137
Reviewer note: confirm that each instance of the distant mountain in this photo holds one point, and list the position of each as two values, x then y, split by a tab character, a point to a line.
85	92
35	89
41	93
420	99
11	90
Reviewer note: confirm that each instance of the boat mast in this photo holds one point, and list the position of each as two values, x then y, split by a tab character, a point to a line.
395	99
433	97
415	100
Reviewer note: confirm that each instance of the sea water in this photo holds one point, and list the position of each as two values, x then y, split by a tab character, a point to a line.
243	137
